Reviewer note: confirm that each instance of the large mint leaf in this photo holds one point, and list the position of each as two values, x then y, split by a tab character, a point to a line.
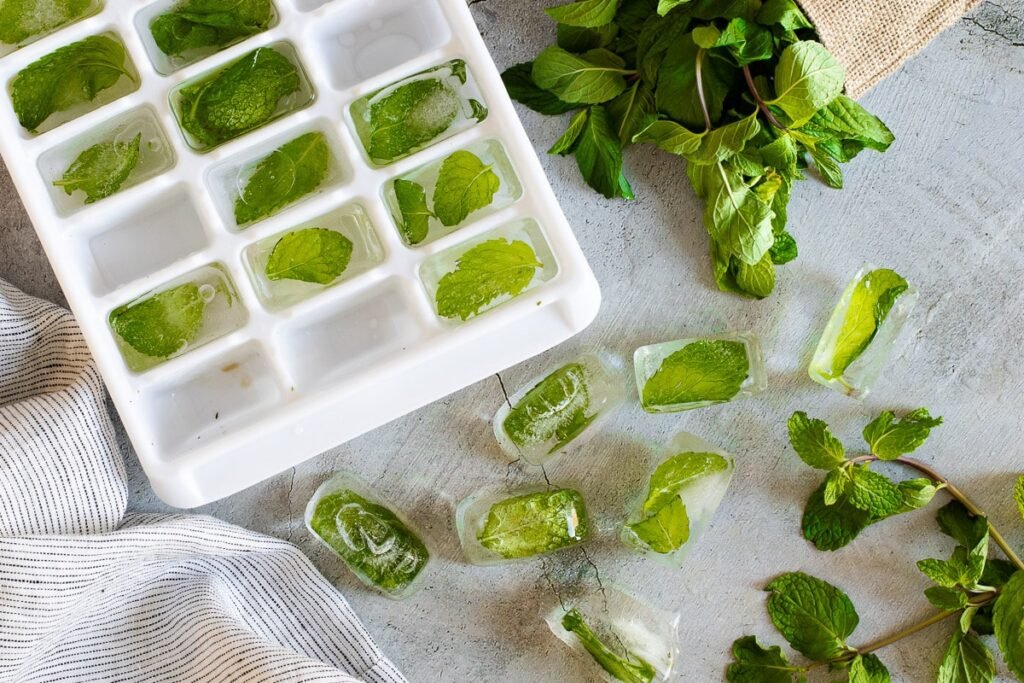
464	185
807	78
410	116
585	13
736	217
161	325
708	370
283	177
484	273
676	93
314	255
599	156
1008	621
708	147
21	20
678	471
872	299
814	443
874	492
753	663
890	438
518	81
815	617
100	171
196	24
535	523
555	408
967	660
596	76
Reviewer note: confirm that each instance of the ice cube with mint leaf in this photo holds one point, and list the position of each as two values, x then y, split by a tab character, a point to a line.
622	639
694	373
862	331
25	21
560	409
376	543
190	30
684	491
184	314
497	526
417	111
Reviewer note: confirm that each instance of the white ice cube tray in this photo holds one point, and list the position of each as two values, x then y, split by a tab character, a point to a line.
289	383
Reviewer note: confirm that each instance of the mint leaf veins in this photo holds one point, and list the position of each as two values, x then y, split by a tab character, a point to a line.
196	24
535	523
314	255
161	325
483	274
100	170
283	177
710	370
414	224
464	185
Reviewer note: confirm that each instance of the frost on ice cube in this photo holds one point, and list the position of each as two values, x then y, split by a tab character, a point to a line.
862	331
685	489
377	545
417	111
624	639
560	409
497	526
694	373
184	314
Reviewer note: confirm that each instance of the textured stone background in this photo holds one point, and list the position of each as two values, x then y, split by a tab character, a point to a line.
944	206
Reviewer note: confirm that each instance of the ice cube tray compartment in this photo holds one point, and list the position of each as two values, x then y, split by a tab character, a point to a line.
285	382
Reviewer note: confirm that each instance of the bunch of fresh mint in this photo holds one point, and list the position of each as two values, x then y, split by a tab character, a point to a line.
738	88
978	594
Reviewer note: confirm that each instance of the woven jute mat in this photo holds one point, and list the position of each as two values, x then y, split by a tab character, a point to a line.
872	38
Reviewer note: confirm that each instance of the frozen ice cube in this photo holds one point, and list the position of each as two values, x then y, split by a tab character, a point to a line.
698	372
377	544
624	639
497	526
862	331
683	492
182	315
562	408
417	111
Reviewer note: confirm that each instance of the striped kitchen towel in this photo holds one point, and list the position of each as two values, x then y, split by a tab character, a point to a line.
90	594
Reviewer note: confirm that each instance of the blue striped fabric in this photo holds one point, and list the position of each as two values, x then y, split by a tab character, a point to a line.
89	594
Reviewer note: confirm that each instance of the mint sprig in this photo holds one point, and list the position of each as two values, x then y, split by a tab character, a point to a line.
681	74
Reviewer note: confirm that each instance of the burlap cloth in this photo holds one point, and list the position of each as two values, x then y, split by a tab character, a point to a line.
871	39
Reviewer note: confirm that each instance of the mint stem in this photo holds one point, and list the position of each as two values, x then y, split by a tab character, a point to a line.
958	495
757	98
700	89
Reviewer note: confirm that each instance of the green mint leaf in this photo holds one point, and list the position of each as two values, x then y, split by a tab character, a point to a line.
868	669
655	38
708	147
70	75
959	524
874	492
814	443
844	119
578	39
666	6
710	370
283	177
371	539
415	216
756	280
567	142
556	408
584	13
239	98
807	78
313	255
815	617
629	110
890	438
677	472
409	117
535	523
21	20
1008	622
599	156
837	483
917	493
100	171
947	599
1018	495
464	185
827	166
162	324
626	667
665	530
785	13
831	527
676	93
753	663
196	24
870	303
964	568
518	81
783	249
967	660
735	216
596	76
746	41
489	270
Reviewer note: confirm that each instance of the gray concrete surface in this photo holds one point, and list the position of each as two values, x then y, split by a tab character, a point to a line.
944	206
